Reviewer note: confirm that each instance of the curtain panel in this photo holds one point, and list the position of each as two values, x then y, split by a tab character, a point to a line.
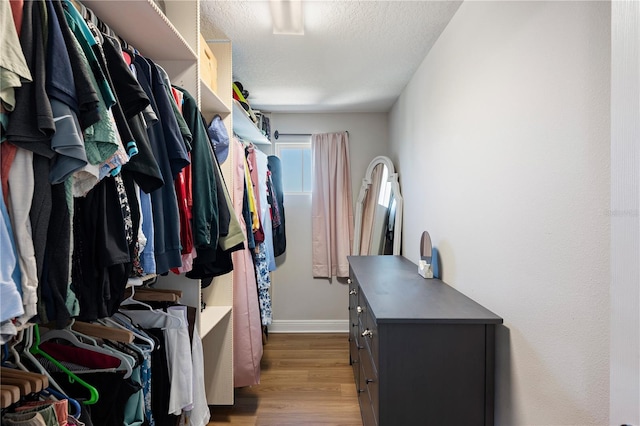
331	205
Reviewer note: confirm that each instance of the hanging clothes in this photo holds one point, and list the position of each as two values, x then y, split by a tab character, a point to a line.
13	67
11	301
279	231
247	336
31	125
67	144
184	384
264	283
216	235
264	248
21	188
171	158
57	297
91	197
183	184
101	259
262	169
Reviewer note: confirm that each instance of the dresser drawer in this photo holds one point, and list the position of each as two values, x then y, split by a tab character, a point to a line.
354	358
354	336
359	335
369	334
353	327
353	298
366	408
353	304
369	381
362	317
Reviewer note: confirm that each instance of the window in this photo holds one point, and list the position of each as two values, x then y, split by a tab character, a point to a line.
296	167
385	192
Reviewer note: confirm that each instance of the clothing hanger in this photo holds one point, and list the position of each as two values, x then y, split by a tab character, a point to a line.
157	295
155	318
5	354
102	331
139	334
9	395
83	337
125	321
37	382
129	301
11	347
23	384
132	361
123	357
35	350
68	336
131	350
73	404
28	343
41	382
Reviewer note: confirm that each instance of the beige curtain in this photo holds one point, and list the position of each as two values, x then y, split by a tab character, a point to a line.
332	210
369	208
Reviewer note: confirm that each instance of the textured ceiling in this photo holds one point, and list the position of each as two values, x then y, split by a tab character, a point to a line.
355	56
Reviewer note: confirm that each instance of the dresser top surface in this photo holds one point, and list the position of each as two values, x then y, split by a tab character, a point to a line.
395	292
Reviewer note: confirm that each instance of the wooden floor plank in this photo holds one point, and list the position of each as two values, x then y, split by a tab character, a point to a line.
306	379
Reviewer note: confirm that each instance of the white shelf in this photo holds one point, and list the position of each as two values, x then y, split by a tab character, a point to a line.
163	41
245	128
211	316
211	102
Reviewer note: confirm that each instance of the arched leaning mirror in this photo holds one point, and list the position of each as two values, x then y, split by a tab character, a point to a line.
378	215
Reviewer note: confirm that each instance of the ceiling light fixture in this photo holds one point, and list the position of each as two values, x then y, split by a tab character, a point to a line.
286	16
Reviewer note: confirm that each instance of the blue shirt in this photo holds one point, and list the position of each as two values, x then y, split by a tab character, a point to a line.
10	299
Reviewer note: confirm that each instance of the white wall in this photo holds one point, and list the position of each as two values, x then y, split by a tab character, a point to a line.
502	142
300	302
625	222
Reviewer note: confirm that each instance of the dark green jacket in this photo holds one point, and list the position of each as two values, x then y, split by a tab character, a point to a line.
205	225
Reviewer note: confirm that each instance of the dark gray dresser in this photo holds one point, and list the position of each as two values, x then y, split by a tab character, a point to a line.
422	352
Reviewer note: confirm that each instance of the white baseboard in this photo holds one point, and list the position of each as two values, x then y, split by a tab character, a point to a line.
309	326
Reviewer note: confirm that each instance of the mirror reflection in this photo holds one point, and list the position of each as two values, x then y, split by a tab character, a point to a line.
378	211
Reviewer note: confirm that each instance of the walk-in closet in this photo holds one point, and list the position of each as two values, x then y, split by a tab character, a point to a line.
319	212
130	292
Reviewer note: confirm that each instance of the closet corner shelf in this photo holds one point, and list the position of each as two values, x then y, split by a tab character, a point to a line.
211	316
245	128
132	19
211	102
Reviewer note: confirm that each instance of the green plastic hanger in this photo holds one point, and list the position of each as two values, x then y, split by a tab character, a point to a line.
35	349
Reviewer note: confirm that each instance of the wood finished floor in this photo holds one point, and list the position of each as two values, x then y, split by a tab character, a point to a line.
306	380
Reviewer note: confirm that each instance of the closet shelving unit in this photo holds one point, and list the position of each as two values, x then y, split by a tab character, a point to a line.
245	128
171	39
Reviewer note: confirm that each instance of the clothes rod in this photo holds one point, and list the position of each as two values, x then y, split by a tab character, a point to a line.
277	134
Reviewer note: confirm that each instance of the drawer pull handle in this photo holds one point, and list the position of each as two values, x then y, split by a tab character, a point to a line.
367	333
353	292
360	390
349	280
359	309
368	381
354	325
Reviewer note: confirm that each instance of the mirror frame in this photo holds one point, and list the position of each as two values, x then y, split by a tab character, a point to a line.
395	190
